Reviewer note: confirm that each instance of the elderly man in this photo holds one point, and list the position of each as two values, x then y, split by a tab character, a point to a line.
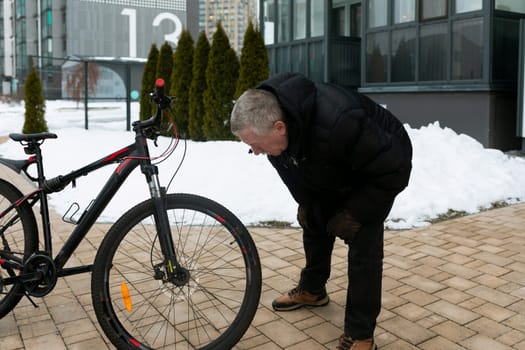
344	159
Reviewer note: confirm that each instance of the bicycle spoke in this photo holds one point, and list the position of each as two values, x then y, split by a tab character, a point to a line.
212	308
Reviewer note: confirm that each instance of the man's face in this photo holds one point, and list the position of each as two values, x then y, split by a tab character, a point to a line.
273	143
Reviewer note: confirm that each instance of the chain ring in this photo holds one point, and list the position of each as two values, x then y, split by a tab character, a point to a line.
42	263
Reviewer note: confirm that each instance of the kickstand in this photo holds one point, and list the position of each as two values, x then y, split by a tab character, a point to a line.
31	300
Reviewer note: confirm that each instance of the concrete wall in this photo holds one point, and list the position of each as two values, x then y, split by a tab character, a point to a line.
489	117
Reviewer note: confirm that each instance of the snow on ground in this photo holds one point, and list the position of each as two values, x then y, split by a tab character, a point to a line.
451	171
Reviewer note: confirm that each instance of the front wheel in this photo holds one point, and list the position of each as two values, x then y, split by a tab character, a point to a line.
138	308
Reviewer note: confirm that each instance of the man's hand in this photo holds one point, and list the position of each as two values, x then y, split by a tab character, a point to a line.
344	226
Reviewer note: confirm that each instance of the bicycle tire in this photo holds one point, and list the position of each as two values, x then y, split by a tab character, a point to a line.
212	311
18	240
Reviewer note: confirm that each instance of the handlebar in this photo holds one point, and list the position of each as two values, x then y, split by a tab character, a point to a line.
158	96
151	126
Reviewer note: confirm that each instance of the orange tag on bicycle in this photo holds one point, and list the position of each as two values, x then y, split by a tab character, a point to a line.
126	297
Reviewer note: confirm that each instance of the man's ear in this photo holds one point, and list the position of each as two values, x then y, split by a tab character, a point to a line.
280	127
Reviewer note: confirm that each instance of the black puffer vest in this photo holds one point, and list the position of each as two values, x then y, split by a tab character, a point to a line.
344	150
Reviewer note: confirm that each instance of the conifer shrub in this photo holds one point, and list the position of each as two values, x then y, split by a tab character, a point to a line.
164	68
197	88
148	83
35	107
181	77
165	64
221	78
254	66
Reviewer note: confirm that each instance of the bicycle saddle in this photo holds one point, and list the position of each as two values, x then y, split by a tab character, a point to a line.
32	137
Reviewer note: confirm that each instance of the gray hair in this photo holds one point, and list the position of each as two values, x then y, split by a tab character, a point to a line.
256	109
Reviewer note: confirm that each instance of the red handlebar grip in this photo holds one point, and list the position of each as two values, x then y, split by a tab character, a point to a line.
159	83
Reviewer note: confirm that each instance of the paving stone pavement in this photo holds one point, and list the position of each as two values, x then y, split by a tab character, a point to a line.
457	284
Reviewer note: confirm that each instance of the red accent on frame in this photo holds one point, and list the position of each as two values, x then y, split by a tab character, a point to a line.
115	155
135	343
122	165
29	195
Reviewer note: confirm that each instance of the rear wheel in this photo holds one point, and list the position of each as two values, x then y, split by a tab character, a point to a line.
138	307
18	240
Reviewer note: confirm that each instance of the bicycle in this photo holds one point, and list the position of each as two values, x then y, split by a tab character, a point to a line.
174	270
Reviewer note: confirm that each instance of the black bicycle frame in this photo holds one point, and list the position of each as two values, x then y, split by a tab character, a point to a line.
129	158
90	215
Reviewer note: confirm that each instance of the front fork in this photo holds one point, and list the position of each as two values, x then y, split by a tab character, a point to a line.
174	272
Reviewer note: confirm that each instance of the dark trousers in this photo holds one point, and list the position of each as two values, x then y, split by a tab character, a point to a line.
365	268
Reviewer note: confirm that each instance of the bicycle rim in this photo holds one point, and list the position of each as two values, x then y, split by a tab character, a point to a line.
211	311
18	239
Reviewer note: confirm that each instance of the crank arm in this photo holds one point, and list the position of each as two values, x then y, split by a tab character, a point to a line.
25	278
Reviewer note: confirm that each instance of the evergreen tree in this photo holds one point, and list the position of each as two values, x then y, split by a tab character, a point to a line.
148	83
181	77
164	68
254	66
198	85
35	106
221	77
165	64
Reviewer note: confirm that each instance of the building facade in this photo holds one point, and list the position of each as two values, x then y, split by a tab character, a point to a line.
452	61
234	16
47	33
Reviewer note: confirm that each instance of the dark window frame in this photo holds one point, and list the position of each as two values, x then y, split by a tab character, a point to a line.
448	80
435	18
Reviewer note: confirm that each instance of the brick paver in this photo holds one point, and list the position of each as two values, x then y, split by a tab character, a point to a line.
458	284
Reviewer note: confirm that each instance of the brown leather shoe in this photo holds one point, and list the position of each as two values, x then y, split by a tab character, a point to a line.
297	298
347	343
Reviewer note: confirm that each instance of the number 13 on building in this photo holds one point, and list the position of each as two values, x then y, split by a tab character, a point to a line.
171	37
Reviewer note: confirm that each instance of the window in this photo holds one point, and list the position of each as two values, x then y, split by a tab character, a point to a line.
404	11
299	61
511	5
433	52
282	56
431	9
355	20
403	55
376	57
467	49
269	21
468	5
347	20
505	51
20	31
315	65
377	13
316	18
339	22
20	8
299	20
283	29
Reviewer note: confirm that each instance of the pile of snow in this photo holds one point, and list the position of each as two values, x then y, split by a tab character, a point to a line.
451	172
